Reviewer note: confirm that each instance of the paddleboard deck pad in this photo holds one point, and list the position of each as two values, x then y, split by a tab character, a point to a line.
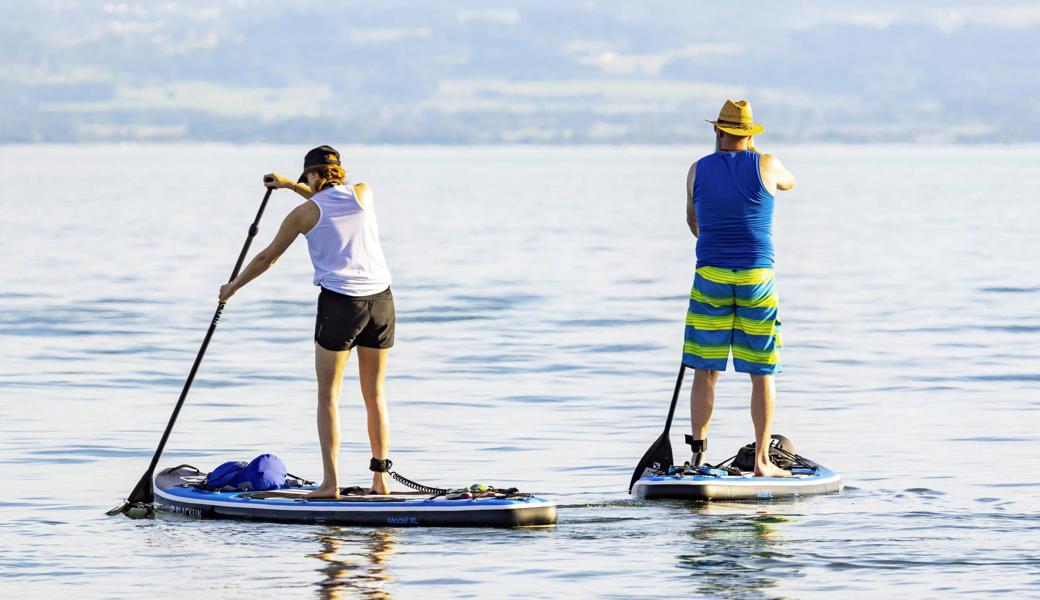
176	491
728	481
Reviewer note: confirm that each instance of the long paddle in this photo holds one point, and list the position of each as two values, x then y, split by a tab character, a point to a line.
142	492
659	455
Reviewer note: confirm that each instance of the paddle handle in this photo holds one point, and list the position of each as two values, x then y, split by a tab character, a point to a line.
143	491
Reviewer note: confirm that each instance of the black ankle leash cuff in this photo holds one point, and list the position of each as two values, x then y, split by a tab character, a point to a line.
378	465
696	445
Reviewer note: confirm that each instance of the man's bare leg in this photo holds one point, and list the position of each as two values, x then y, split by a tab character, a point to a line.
702	403
763	397
328	366
372	368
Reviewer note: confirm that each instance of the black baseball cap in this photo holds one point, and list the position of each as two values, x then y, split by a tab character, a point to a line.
319	157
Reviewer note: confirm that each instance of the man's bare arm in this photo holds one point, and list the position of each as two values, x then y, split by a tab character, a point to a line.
691	212
775	175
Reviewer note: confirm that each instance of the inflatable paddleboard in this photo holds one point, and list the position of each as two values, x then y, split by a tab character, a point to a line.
175	491
733	478
691	484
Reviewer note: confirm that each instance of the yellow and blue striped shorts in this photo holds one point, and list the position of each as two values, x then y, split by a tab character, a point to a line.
733	309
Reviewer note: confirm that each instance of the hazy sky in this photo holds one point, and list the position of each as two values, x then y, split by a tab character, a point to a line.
536	71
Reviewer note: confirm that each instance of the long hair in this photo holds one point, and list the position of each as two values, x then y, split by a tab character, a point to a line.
328	175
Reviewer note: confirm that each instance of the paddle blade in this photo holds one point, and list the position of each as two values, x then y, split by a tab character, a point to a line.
142	491
140	496
119	509
658	457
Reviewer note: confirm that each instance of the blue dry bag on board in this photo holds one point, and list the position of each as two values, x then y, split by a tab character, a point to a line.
265	472
226	474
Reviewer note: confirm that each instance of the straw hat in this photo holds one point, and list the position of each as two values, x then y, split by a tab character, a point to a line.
735	118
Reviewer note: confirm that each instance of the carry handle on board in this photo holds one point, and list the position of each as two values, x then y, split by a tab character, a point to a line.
142	492
659	455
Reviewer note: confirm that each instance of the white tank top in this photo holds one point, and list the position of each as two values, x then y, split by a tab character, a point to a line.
344	245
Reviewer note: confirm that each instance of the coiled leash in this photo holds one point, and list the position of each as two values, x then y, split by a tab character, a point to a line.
474	491
383	465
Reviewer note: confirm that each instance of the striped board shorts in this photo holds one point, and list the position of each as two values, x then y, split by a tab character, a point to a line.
732	308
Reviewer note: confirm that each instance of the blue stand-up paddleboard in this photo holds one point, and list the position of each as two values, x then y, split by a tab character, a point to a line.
733	479
178	490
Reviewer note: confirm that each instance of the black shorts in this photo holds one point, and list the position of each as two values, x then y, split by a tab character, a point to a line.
347	321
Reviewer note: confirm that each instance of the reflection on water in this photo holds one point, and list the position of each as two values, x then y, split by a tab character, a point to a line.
354	563
734	547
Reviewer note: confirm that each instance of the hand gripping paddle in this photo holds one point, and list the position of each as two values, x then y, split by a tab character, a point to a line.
142	492
659	456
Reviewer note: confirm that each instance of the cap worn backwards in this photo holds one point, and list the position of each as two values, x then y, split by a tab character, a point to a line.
322	156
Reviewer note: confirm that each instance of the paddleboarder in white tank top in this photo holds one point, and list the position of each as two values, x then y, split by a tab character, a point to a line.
355	306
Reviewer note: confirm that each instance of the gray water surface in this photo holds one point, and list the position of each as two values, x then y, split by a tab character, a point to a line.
540	295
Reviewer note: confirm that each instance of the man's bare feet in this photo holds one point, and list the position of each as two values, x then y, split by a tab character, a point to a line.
768	469
380	484
324	492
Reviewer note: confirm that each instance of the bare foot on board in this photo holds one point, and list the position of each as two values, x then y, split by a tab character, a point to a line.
770	470
324	492
380	484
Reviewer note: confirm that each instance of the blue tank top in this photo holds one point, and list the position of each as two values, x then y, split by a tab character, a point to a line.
734	212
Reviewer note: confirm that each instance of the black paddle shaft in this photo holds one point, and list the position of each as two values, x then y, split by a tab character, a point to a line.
659	454
675	399
143	491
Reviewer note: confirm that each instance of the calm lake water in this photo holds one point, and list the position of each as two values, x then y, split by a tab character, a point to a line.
540	296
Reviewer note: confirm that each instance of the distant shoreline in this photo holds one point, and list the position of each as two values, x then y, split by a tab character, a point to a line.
694	141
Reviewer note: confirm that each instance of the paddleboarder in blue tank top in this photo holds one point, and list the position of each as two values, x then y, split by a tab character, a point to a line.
355	306
733	303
